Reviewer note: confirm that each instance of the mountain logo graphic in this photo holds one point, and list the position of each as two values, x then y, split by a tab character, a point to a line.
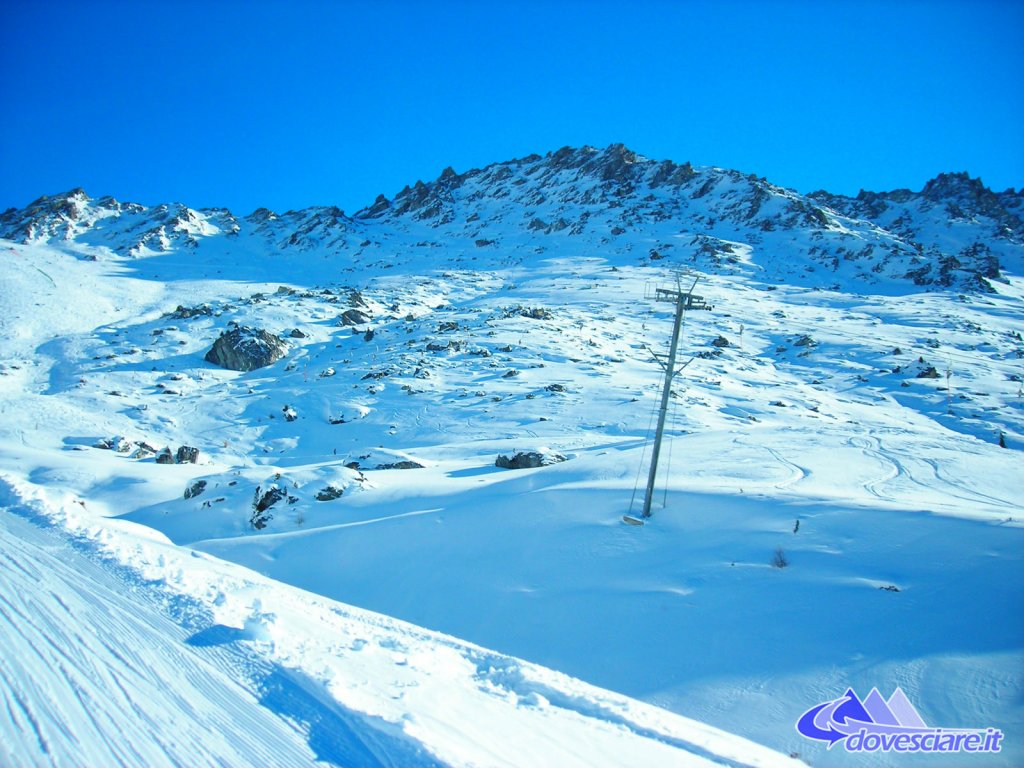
874	724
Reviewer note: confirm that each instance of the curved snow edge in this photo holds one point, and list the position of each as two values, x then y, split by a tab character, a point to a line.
460	702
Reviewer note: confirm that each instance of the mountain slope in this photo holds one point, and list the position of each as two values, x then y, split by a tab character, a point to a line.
955	220
955	233
854	419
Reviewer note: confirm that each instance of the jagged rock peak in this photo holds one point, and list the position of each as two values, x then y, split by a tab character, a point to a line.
379	208
588	157
951	183
47	216
70	202
326	212
76	194
619	164
615	164
261	215
947	185
944	187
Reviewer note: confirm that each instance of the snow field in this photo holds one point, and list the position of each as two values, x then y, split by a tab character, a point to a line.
895	482
124	649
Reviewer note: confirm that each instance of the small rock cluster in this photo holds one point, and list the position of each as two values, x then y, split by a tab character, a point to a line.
529	460
139	449
185	454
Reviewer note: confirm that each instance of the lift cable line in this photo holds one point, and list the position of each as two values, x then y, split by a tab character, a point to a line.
684	300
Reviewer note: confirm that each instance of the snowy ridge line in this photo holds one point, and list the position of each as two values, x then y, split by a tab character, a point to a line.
955	233
404	695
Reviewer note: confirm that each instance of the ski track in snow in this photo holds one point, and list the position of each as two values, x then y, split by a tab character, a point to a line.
898	467
101	666
94	673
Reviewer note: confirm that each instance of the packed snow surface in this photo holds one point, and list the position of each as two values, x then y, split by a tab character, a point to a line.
121	649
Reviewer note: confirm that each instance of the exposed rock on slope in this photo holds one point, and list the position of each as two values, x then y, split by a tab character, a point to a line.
965	233
955	233
246	349
529	459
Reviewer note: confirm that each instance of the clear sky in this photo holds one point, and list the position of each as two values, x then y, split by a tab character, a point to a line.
290	104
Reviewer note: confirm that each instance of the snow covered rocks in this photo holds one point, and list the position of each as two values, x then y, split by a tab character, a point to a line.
353	317
262	501
401	465
330	493
195	489
529	459
185	454
119	444
246	349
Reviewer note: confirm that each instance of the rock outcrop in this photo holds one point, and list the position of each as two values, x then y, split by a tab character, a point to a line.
529	460
246	349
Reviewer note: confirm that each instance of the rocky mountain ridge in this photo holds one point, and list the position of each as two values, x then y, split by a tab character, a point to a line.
955	233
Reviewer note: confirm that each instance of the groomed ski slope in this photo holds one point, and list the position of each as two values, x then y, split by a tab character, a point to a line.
117	648
94	672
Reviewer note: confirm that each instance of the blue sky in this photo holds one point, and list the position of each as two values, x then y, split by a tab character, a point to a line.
243	104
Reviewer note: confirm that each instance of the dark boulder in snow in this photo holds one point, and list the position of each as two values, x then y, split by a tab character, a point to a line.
195	489
262	501
330	493
534	313
186	455
184	313
355	298
401	465
246	349
529	460
445	346
143	450
353	317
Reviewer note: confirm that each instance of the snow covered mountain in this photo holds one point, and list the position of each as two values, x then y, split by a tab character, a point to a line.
276	417
955	233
